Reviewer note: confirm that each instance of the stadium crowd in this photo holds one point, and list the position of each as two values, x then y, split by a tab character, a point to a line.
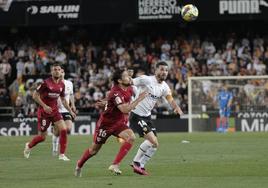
89	64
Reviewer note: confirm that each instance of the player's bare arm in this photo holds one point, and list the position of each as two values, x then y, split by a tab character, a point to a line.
67	106
37	98
72	104
101	103
126	108
177	109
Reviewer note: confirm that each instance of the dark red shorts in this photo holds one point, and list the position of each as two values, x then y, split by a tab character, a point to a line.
45	119
104	131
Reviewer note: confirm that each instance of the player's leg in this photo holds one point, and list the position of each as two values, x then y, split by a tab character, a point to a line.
63	139
55	140
145	152
129	138
43	124
152	145
221	114
101	134
88	153
145	128
69	125
35	140
227	116
56	133
138	124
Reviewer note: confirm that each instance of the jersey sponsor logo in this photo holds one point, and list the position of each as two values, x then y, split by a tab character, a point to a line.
154	96
53	95
241	6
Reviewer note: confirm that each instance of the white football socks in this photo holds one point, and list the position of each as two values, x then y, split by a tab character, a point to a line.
55	143
147	156
145	145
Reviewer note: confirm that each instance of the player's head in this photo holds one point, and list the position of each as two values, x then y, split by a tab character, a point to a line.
56	70
161	70
121	77
225	87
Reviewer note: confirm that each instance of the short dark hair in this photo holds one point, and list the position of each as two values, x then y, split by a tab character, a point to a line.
161	63
117	75
56	64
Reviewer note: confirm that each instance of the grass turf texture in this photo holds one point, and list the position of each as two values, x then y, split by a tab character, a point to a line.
210	160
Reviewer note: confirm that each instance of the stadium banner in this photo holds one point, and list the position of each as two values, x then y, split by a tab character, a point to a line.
83	125
79	12
209	10
252	122
53	12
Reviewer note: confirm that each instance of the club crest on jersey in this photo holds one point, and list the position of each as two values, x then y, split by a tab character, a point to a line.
154	96
118	100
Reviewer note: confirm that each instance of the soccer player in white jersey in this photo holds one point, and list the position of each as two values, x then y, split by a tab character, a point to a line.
68	119
140	117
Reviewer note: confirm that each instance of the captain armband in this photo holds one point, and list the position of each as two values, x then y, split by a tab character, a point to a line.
169	98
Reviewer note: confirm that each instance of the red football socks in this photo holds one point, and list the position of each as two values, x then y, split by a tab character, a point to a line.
122	152
37	139
63	141
87	154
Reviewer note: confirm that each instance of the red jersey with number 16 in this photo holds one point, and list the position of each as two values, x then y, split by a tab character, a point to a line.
116	97
50	91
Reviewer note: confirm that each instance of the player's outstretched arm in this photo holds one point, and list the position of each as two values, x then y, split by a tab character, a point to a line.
126	108
177	109
37	98
67	106
72	103
101	103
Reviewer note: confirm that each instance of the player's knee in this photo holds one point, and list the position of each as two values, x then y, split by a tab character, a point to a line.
94	151
155	144
64	130
56	133
131	139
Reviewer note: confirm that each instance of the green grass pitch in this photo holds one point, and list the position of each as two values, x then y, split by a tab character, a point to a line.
210	160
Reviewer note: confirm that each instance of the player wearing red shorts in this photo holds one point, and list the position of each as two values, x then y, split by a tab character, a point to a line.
46	96
112	122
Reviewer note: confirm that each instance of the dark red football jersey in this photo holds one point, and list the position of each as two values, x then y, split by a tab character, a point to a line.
116	96
50	91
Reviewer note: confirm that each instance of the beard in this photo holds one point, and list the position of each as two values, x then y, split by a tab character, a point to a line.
56	77
126	84
162	78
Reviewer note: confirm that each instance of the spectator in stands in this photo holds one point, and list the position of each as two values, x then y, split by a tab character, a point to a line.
90	65
20	67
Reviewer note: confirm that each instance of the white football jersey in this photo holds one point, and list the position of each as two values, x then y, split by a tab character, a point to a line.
156	91
68	92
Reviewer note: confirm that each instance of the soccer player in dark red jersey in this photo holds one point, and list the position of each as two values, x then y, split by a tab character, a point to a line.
46	95
112	121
